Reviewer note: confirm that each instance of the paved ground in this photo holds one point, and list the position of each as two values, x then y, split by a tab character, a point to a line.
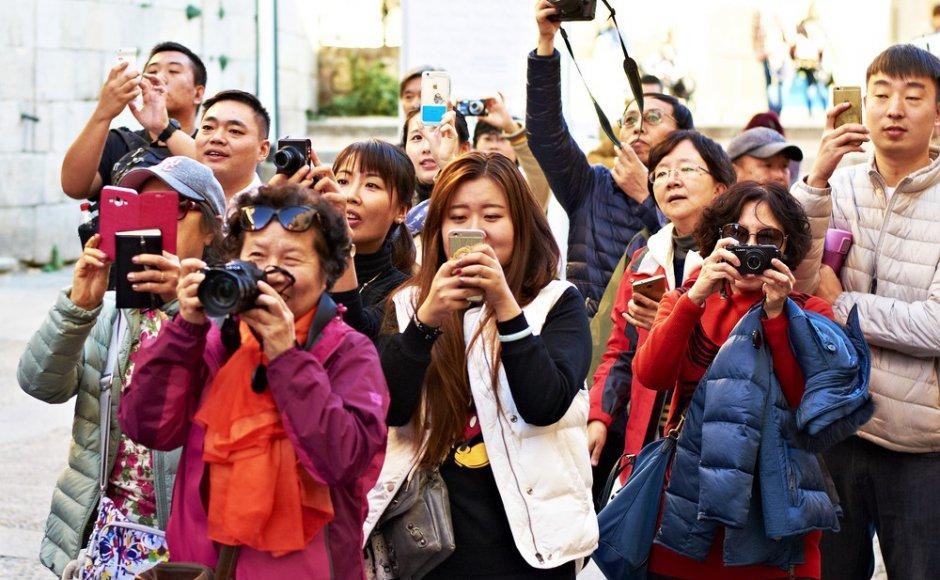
35	436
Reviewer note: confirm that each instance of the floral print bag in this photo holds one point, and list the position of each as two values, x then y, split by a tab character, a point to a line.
118	548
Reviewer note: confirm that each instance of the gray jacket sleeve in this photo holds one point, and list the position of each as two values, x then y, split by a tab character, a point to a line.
51	367
817	203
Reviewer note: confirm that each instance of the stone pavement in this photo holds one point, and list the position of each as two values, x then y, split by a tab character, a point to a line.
34	439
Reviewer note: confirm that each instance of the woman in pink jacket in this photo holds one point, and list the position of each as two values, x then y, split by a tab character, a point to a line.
281	412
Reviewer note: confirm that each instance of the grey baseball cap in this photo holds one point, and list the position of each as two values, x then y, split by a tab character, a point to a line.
762	142
186	176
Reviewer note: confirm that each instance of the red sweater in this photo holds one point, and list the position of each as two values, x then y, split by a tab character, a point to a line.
680	347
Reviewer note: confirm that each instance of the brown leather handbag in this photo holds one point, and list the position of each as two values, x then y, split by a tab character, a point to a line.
224	570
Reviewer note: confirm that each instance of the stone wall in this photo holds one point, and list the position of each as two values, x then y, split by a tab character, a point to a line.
54	56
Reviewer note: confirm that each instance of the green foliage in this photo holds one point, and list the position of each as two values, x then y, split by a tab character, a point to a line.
374	92
55	261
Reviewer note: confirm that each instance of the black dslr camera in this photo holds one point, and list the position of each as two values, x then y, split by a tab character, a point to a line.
292	154
231	288
569	10
471	107
755	259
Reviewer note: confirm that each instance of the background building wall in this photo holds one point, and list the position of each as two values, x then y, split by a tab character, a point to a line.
54	57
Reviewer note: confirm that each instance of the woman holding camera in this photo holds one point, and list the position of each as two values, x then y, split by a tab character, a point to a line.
751	237
69	353
485	361
282	423
377	182
687	171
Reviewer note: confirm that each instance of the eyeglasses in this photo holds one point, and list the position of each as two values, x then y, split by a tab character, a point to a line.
650	117
294	218
186	206
764	237
683	172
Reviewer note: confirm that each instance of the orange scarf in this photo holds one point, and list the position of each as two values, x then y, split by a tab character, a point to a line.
259	494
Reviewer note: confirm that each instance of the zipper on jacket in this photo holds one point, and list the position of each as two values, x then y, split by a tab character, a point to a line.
528	513
159	488
881	187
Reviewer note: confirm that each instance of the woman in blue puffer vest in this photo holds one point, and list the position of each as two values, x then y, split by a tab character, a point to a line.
765	381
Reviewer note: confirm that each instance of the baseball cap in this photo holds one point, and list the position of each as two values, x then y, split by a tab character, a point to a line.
186	176
762	142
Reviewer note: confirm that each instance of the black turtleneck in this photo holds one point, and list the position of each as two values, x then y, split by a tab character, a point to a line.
422	191
378	277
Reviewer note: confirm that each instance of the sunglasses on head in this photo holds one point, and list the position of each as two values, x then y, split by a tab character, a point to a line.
764	237
293	218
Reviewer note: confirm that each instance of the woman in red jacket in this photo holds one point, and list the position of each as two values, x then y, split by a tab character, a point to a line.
694	321
687	171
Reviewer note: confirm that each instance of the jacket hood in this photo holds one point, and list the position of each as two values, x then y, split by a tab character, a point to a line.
923	178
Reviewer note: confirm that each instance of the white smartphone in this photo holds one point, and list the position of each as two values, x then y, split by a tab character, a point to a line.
129	55
435	94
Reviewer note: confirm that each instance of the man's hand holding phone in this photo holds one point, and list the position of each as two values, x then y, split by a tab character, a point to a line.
120	88
835	144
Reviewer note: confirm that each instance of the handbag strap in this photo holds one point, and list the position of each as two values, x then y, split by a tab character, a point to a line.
630	68
225	567
630	458
118	331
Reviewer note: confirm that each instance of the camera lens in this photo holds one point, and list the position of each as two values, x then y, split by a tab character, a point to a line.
475	107
231	289
754	262
288	160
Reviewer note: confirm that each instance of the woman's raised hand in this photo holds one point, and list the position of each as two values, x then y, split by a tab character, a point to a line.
480	269
778	284
191	275
718	269
90	277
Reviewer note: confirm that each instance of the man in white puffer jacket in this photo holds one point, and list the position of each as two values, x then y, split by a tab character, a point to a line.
887	476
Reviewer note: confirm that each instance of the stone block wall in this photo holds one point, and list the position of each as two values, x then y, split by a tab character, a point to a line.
54	56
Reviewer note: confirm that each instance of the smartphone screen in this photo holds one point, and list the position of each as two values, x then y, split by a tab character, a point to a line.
435	94
852	95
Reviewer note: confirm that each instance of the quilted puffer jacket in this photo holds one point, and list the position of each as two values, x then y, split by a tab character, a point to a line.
65	358
603	218
892	275
739	427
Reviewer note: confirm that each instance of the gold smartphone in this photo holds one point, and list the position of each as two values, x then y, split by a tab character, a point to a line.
852	95
653	288
459	243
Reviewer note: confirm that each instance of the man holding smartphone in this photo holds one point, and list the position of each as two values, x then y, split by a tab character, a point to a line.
173	83
886	476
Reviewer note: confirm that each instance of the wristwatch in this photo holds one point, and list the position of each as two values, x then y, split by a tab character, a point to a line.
172	127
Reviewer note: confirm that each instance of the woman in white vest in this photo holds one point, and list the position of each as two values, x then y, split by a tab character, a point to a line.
486	374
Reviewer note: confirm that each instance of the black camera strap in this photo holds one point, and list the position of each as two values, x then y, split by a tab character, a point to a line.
630	68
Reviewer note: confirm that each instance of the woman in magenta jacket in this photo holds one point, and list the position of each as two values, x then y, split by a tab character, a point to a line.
282	421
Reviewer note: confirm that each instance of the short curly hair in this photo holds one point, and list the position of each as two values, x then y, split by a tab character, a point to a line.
726	209
332	245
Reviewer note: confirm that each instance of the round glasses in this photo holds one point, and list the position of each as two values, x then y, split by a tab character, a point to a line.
650	117
764	237
293	218
683	172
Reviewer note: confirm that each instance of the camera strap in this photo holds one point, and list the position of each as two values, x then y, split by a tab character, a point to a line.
630	68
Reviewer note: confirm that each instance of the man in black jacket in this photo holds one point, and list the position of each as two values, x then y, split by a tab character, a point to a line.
606	207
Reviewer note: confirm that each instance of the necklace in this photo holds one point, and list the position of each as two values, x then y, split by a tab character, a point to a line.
373	279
